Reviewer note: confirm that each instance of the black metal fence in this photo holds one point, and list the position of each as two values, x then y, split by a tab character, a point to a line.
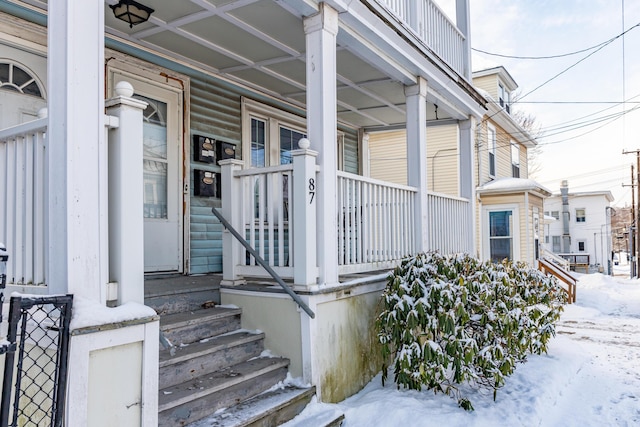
36	357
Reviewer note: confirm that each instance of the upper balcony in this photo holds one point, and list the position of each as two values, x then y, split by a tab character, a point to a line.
432	26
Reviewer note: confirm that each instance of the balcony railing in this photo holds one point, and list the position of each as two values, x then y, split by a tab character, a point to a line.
23	192
434	28
450	227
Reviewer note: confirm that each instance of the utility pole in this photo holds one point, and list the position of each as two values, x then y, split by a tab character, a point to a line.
632	225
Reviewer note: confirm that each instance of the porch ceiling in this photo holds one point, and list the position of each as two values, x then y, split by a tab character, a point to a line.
261	44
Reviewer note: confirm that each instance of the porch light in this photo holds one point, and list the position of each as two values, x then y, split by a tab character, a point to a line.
131	12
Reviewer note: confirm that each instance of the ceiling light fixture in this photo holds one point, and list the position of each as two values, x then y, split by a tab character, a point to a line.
131	12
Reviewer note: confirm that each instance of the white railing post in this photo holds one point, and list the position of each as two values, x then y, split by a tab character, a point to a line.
125	177
305	269
232	195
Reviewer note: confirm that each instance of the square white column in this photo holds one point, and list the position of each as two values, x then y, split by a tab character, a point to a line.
467	184
416	97
76	143
322	123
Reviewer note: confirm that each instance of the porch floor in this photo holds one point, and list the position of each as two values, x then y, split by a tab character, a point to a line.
176	284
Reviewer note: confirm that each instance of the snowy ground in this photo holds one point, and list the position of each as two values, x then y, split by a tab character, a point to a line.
590	377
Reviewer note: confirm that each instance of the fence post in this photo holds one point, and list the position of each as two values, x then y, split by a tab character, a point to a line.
232	196
126	240
305	269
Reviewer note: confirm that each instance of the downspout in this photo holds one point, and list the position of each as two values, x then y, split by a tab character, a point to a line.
566	237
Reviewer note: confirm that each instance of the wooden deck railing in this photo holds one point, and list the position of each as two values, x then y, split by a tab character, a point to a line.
23	195
564	276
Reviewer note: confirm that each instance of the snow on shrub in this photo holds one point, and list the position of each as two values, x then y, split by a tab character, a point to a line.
450	320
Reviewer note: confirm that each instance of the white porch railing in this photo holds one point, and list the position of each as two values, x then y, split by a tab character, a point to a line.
265	218
375	223
23	201
450	224
433	27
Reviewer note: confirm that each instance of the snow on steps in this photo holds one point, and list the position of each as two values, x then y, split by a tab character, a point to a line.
317	415
216	366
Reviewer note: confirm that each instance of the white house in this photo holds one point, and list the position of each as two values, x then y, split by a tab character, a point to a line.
581	231
203	105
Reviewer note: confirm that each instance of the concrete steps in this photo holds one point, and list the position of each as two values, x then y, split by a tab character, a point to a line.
216	373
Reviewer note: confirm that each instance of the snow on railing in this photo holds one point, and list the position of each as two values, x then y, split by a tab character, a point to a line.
23	192
450	225
433	27
375	223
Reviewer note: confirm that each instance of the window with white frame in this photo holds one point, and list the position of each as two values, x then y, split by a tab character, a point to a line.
582	246
501	235
581	215
556	244
503	95
491	141
555	214
515	160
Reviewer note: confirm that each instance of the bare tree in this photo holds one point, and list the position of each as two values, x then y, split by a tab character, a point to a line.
528	122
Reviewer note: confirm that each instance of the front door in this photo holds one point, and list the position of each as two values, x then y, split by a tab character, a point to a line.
162	157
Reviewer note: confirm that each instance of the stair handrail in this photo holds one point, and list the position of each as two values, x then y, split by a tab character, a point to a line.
564	276
263	263
556	259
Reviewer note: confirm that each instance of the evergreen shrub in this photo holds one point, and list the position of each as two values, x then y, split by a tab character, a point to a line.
453	320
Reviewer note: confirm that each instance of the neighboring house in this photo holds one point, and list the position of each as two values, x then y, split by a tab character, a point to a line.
223	93
581	230
509	208
510	205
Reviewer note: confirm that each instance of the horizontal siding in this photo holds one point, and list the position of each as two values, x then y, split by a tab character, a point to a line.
388	156
215	112
487	83
442	159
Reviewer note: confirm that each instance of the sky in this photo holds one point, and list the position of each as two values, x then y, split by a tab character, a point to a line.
577	100
589	377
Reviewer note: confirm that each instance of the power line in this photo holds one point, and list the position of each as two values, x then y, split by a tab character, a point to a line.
562	55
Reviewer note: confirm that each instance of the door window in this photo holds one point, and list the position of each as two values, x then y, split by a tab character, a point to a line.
155	158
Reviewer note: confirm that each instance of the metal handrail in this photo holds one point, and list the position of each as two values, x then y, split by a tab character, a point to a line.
263	263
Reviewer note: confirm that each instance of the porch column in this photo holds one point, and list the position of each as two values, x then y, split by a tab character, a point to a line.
462	22
417	157
321	30
77	211
126	223
467	185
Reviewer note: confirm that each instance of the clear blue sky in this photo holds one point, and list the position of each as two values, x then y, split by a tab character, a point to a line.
580	110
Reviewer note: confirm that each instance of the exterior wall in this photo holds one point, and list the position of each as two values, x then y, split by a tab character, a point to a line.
487	83
443	167
338	351
283	334
593	231
526	205
388	158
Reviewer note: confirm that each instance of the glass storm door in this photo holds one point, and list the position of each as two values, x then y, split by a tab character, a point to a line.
161	176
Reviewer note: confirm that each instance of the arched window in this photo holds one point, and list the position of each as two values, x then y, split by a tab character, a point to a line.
16	78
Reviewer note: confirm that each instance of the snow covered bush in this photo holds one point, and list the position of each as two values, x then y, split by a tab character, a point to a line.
449	320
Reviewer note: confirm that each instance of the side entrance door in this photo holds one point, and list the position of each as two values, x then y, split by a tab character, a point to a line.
162	157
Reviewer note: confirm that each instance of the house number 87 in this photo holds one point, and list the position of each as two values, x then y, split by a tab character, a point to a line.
312	189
